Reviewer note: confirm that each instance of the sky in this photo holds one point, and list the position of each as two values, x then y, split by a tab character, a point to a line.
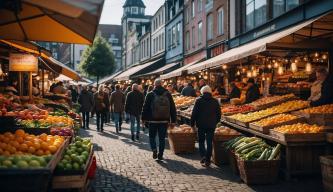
113	10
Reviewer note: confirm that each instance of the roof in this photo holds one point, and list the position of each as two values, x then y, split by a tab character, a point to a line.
132	3
107	30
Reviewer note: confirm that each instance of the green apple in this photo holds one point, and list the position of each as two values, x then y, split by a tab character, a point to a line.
34	164
22	164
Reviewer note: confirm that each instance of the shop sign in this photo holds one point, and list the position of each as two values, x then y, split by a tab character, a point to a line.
23	62
217	51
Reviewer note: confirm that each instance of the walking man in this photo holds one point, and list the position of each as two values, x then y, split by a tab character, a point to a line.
205	115
86	100
117	102
133	107
158	110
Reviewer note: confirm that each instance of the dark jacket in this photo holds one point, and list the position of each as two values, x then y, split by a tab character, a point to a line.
86	101
147	106
326	92
134	103
101	102
189	91
117	101
206	112
74	95
235	93
252	94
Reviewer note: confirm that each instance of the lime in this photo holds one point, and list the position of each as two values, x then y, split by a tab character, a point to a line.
67	157
22	164
76	166
34	164
79	150
7	163
78	143
68	166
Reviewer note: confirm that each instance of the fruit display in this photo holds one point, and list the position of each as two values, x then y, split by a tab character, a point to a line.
225	131
62	131
182	129
183	101
233	109
24	162
276	119
47	121
299	128
21	143
323	109
282	108
270	100
76	155
188	112
253	149
27	114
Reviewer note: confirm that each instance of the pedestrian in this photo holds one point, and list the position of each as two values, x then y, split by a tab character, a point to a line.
127	116
117	102
159	111
100	105
205	116
235	91
253	92
86	100
74	93
59	88
202	83
133	107
189	91
107	111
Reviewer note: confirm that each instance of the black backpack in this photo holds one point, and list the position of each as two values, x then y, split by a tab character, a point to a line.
161	107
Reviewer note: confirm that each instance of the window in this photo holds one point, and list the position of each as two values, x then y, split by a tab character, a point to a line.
291	4
278	7
256	13
81	52
210	27
199	6
174	35
160	43
163	40
220	19
187	40
134	10
179	33
143	11
193	37
249	14
169	38
187	15
147	44
193	9
200	32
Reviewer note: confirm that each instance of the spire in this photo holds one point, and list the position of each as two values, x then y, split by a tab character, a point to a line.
134	3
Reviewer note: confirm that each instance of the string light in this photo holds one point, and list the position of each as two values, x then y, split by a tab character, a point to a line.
316	54
308	67
224	67
324	56
280	70
276	65
249	74
293	67
238	73
269	66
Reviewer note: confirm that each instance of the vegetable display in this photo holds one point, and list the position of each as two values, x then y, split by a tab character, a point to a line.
299	128
276	119
253	148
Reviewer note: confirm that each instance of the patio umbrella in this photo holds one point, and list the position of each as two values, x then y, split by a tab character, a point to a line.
67	21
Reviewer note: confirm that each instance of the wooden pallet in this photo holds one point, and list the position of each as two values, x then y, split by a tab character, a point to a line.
265	129
306	137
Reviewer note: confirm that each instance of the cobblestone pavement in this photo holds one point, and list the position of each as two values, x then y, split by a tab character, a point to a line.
124	165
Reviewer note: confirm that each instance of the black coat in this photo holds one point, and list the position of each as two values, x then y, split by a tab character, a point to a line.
134	103
326	92
206	112
235	93
86	100
189	91
147	106
252	94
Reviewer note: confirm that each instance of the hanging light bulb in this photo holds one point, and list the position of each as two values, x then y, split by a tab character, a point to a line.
269	66
308	67
238	73
37	78
254	73
293	67
280	70
324	56
1	72
224	67
316	54
243	70
276	65
249	74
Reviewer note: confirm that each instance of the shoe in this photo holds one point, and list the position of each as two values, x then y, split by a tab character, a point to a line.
160	156
137	137
117	131
87	128
133	138
207	163
119	128
102	130
202	161
154	154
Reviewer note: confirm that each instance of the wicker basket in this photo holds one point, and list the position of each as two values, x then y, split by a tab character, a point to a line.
258	172
220	153
182	142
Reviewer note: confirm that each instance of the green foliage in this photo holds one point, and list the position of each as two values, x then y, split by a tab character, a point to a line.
98	59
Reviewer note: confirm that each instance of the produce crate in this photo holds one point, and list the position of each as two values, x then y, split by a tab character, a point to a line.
73	181
7	122
182	142
265	129
233	162
259	172
229	119
30	179
327	172
220	153
241	123
305	137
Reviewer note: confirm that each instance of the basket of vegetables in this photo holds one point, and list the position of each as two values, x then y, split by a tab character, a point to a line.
182	139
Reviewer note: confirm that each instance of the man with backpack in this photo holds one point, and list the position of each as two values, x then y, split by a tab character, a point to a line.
158	110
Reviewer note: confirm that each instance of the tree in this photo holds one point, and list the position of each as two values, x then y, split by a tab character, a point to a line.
98	59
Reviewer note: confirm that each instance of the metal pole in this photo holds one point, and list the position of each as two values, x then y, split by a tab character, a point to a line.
30	85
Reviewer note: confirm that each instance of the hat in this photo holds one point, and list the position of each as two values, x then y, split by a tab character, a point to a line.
205	89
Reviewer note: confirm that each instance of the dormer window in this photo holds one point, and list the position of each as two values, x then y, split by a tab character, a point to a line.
134	10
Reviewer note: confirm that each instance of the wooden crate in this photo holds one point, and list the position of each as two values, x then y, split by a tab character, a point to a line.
182	142
265	129
306	137
220	153
327	172
259	172
325	120
233	162
241	123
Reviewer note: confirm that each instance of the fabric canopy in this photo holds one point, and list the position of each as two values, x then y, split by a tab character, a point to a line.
177	72
126	75
64	70
109	78
161	70
53	21
248	49
29	47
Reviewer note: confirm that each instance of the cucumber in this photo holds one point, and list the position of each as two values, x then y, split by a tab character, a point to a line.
244	151
237	143
253	143
252	153
262	156
275	152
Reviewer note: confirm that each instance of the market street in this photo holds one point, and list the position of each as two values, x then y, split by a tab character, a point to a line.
124	165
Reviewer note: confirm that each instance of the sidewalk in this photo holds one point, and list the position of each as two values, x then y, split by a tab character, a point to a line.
124	165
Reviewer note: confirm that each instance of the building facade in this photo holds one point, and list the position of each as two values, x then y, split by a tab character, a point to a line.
145	42
158	33
195	31
133	17
174	31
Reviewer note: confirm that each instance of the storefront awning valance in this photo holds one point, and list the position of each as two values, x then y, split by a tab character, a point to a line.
64	70
177	72
161	70
249	49
29	47
135	70
108	78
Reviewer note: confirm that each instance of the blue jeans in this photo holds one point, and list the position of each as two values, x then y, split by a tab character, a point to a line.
207	135
117	122
161	130
134	129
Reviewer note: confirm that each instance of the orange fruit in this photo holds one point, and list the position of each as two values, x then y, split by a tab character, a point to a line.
19	139
15	144
1	137
23	147
12	149
47	152
43	136
1	151
19	153
29	143
44	145
20	133
52	149
36	145
31	150
6	140
6	153
39	152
